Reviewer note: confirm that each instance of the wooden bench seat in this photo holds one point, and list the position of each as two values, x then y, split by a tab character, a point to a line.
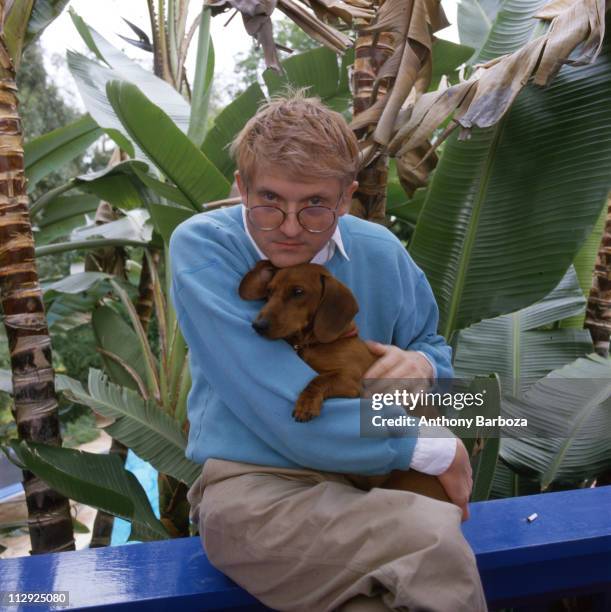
566	550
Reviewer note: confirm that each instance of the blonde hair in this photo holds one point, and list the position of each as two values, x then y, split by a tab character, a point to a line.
300	135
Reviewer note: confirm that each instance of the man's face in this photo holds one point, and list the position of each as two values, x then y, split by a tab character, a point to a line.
290	244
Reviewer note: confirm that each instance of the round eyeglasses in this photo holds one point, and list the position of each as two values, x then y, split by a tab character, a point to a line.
314	219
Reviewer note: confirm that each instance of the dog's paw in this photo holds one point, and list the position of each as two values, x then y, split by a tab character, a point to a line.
307	407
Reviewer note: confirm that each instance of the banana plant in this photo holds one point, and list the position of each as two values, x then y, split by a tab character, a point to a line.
529	350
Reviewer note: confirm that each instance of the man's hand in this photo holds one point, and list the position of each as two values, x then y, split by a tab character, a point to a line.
457	480
394	362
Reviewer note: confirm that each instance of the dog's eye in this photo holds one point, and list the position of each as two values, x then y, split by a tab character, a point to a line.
297	291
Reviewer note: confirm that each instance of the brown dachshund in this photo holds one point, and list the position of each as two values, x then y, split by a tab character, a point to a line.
314	312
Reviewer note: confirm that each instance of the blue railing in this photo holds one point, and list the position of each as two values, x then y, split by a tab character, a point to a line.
565	551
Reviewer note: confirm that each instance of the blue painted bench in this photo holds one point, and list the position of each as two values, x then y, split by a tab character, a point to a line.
565	551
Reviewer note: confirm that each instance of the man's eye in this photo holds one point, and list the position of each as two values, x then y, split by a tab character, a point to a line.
297	291
268	195
316	201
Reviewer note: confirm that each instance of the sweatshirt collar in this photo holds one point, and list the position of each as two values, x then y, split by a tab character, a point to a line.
323	256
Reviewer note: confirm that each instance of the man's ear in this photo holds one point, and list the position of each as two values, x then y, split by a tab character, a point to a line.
346	204
336	309
254	283
240	184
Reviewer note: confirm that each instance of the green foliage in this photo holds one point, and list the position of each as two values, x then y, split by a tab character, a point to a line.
8	427
80	431
250	65
76	351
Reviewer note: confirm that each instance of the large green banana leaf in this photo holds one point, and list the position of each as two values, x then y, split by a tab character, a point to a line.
70	300
513	347
49	152
319	71
570	411
141	425
508	483
166	146
507	211
485	462
122	356
115	184
62	215
96	480
202	82
227	124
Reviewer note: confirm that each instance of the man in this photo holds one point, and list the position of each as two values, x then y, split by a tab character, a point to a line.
276	512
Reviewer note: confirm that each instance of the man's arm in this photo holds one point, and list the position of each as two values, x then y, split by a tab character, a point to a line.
445	457
258	379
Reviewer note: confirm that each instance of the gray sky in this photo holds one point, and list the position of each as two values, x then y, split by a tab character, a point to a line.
106	18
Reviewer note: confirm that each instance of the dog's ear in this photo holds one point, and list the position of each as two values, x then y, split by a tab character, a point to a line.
254	283
337	308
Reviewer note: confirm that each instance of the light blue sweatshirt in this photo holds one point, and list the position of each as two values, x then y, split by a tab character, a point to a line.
245	386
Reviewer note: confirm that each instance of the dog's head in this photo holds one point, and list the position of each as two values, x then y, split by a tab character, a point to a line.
303	299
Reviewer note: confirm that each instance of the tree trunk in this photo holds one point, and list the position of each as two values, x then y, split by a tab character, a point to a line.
370	53
35	402
598	311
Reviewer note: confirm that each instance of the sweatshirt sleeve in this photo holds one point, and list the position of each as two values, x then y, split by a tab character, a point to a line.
416	328
258	379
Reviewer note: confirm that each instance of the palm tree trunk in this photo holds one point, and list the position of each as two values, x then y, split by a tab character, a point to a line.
35	402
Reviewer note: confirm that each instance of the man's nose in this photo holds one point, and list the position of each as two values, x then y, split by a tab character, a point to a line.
290	226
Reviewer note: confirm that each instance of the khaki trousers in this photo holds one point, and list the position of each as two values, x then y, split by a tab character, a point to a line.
309	541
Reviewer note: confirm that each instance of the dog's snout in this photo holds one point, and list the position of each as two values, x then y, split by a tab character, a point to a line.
260	325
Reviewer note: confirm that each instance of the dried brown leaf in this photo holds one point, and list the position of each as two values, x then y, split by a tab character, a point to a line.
343	10
368	116
406	77
414	167
429	111
573	22
393	16
497	87
313	27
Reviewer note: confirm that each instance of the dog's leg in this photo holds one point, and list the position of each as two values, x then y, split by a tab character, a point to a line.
331	384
